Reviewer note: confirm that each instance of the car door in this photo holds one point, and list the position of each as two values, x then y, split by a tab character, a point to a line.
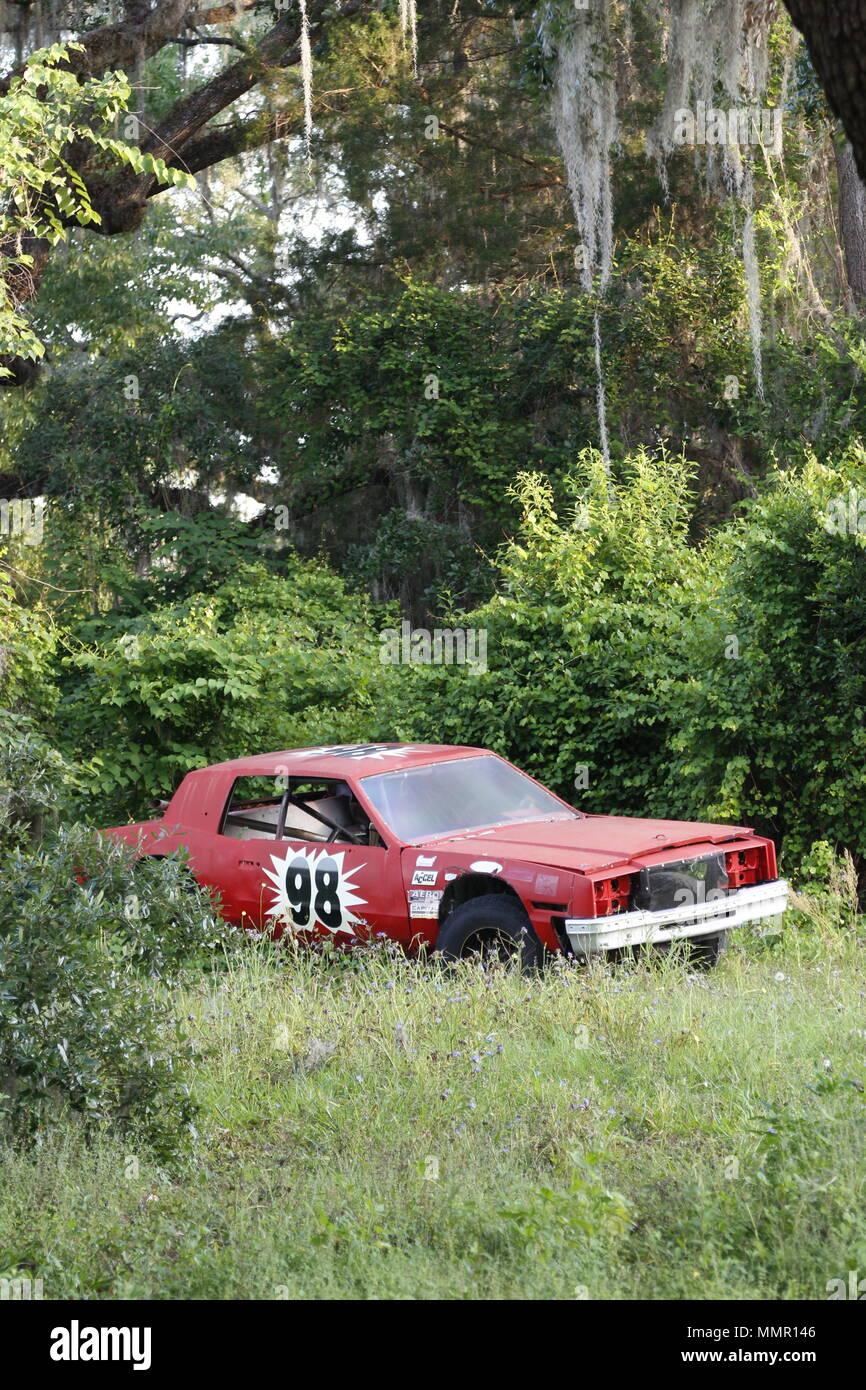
319	881
243	845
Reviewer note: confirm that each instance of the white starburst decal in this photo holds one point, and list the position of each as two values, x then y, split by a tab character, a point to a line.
313	888
374	751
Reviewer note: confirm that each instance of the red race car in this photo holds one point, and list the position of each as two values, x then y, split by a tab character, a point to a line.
453	848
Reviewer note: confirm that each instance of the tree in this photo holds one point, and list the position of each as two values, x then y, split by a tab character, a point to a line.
835	32
231	107
402	150
182	139
852	219
45	112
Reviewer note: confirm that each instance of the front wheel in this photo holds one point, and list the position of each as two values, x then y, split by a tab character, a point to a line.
707	951
489	928
698	952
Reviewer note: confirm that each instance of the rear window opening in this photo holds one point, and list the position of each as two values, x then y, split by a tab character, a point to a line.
253	809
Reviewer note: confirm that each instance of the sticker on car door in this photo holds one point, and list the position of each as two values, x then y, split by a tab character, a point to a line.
315	888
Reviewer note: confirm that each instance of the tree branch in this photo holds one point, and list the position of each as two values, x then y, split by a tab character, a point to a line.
141	34
181	139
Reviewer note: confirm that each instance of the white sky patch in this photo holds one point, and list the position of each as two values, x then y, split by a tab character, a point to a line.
247	507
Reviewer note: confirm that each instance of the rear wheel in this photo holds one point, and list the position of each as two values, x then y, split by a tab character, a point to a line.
494	927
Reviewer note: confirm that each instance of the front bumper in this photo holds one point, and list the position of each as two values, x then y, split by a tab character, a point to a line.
589	935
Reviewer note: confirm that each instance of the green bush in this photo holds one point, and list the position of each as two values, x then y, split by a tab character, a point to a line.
33	780
27	645
583	638
769	725
266	662
723	682
87	939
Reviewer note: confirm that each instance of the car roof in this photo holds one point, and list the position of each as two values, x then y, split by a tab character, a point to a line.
344	759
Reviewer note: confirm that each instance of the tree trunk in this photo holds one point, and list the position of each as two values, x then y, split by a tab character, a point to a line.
835	34
852	221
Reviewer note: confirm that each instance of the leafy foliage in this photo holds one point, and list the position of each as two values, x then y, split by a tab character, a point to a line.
45	110
265	662
33	780
726	682
775	733
581	637
82	1029
28	641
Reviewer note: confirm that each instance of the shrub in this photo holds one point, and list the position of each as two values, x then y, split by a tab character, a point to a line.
584	638
266	662
725	682
33	779
826	899
769	722
87	938
27	644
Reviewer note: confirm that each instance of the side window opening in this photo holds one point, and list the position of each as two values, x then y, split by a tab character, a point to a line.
253	810
322	810
325	810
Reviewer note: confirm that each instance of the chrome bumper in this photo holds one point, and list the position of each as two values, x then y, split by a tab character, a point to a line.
589	935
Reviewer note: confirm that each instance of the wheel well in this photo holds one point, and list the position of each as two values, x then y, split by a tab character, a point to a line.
469	886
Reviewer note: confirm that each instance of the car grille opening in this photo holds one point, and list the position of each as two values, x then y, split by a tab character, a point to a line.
685	882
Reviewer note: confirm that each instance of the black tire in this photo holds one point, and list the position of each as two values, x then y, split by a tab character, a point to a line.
491	927
707	951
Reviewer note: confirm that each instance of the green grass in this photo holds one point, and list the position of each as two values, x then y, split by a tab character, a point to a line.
374	1128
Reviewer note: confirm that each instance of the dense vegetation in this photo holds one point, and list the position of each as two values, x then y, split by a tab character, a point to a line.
340	381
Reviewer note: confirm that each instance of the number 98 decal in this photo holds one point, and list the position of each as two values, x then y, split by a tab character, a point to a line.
313	888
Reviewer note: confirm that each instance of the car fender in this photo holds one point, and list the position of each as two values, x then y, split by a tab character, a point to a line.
437	882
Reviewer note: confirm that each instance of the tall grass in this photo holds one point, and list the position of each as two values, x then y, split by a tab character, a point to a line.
376	1128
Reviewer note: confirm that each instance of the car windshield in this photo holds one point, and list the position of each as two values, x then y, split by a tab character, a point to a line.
420	803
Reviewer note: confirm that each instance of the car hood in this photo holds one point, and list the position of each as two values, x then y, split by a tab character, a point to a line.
589	844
